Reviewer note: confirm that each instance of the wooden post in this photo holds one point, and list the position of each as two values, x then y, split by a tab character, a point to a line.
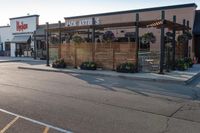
187	45
174	45
137	41
47	43
93	39
162	40
75	56
35	48
114	61
60	40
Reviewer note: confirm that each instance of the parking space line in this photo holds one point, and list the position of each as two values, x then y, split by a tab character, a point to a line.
9	124
36	122
46	130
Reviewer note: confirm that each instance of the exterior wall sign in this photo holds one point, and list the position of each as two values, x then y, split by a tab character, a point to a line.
23	25
82	22
20	26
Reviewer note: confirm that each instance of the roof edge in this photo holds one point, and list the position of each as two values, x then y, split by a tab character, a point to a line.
136	10
25	17
4	26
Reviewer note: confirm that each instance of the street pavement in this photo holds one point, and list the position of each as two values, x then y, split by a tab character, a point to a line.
93	104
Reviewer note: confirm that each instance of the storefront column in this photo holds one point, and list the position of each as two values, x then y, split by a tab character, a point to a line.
174	46
12	49
47	43
137	41
162	47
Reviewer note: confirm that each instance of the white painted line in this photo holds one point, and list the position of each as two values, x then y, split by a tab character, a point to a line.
36	122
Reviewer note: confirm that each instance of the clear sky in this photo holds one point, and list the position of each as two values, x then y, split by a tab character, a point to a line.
54	10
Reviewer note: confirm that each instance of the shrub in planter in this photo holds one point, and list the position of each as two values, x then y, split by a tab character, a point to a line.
127	68
189	62
60	63
88	65
181	65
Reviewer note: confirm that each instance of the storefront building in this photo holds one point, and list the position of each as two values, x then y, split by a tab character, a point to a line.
22	29
17	39
184	14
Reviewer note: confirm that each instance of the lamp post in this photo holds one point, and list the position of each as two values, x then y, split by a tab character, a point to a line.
174	45
162	47
137	41
47	43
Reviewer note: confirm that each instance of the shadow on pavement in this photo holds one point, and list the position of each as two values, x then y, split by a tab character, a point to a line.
142	87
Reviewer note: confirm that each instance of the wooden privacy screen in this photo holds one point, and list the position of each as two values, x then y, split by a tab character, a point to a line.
106	55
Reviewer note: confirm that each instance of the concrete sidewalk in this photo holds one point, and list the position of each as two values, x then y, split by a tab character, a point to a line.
18	59
183	77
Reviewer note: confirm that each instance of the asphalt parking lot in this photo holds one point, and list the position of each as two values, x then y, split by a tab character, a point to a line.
14	123
93	104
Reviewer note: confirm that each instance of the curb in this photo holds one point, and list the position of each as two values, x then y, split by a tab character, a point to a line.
106	75
10	61
192	79
5	61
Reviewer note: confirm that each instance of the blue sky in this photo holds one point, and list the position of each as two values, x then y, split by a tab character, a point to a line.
55	10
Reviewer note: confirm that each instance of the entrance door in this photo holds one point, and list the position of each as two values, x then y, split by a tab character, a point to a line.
7	49
23	50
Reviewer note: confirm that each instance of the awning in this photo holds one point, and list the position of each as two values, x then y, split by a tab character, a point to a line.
21	39
196	28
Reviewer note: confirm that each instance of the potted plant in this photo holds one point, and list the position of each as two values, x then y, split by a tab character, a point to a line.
189	62
88	65
127	68
181	64
60	63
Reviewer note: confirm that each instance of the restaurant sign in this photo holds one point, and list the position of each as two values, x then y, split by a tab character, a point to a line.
21	26
82	22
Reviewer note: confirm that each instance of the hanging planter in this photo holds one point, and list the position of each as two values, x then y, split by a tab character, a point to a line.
184	38
148	38
108	36
77	39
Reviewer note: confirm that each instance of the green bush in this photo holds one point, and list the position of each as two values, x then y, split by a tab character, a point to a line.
127	68
189	62
60	63
88	65
184	64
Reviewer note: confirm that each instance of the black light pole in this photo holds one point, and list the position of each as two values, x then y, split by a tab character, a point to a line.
93	30
185	45
35	48
93	38
162	40
174	45
188	25
47	43
137	41
60	39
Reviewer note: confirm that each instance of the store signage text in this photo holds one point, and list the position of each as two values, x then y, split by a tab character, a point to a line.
82	22
20	26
